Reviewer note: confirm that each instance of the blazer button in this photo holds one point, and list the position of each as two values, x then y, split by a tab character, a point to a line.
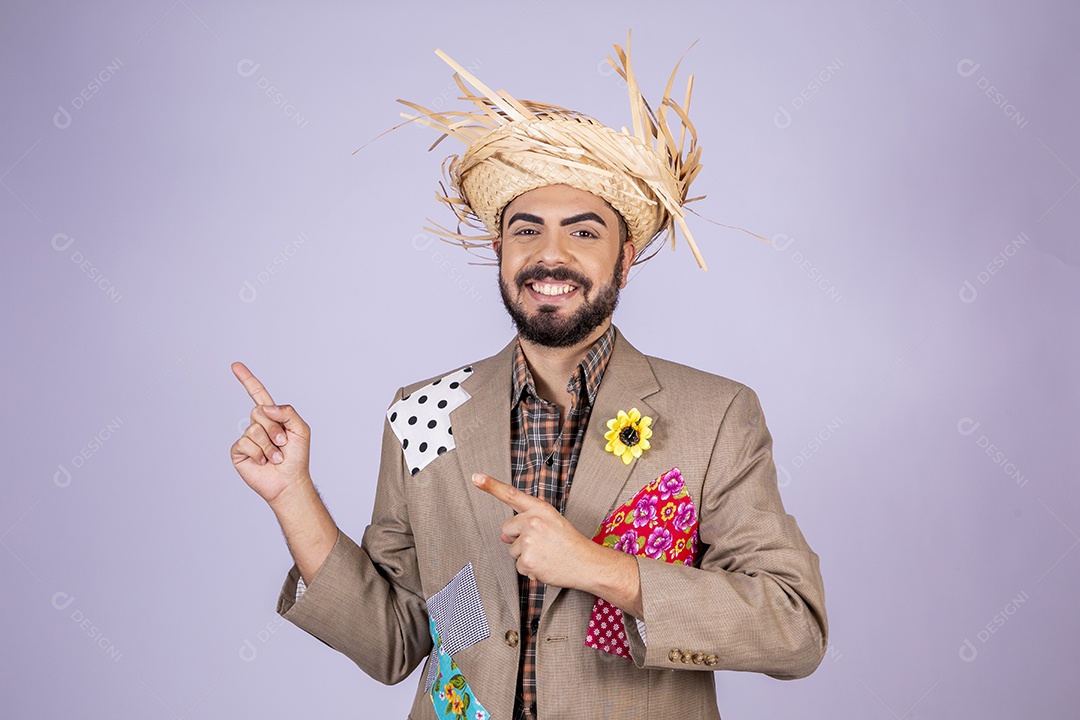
712	660
686	657
512	638
674	655
698	658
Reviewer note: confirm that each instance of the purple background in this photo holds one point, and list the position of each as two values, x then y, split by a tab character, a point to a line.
910	330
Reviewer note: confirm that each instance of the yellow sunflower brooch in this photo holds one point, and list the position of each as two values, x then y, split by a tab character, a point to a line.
628	435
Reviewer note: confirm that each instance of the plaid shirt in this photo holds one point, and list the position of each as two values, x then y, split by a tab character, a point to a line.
542	462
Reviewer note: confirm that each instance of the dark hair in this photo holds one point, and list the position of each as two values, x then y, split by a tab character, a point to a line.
623	232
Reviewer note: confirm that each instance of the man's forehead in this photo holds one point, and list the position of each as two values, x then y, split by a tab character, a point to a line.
559	202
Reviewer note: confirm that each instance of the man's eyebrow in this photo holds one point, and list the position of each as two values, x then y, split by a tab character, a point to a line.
581	217
525	217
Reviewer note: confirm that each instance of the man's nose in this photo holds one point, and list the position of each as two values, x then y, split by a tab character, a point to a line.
553	249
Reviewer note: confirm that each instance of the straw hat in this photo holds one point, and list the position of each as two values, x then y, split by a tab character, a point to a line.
515	146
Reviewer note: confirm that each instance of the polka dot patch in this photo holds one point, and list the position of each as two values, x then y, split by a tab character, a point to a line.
606	630
421	421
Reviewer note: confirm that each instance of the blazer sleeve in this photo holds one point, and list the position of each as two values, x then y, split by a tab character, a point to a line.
756	601
366	600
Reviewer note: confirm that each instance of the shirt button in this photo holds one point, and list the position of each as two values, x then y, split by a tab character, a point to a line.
512	638
534	625
550	461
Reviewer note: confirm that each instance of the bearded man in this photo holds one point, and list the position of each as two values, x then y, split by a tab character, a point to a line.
569	528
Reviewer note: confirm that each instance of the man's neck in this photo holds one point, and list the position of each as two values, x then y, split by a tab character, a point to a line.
553	367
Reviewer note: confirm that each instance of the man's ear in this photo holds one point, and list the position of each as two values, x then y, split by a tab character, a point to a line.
629	253
496	245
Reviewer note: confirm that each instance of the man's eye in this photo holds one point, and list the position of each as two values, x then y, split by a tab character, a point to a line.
585	233
525	231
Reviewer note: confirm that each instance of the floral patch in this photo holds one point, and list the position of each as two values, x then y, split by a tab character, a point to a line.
451	695
659	522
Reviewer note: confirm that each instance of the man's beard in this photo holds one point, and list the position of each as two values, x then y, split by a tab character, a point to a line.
548	330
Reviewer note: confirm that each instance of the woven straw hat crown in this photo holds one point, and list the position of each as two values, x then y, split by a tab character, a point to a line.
515	146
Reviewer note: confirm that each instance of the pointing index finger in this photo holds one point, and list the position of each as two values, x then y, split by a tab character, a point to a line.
251	383
508	494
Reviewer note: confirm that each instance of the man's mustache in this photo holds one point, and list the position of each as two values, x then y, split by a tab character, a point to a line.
558	274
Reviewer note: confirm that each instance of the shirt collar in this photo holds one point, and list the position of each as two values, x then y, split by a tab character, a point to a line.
591	368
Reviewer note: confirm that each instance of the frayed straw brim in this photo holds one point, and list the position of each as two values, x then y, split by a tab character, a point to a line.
515	146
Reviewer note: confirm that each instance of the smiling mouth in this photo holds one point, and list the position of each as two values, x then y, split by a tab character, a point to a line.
552	289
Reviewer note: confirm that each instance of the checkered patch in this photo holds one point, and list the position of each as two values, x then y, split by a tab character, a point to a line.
459	616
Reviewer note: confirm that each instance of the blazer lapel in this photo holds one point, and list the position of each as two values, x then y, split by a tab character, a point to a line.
482	434
600	476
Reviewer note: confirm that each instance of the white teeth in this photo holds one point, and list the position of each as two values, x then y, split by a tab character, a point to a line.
552	289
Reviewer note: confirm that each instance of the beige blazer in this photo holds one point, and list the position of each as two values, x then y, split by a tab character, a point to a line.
754	600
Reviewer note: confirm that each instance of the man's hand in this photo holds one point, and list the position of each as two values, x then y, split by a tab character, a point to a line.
272	454
272	457
546	547
544	544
